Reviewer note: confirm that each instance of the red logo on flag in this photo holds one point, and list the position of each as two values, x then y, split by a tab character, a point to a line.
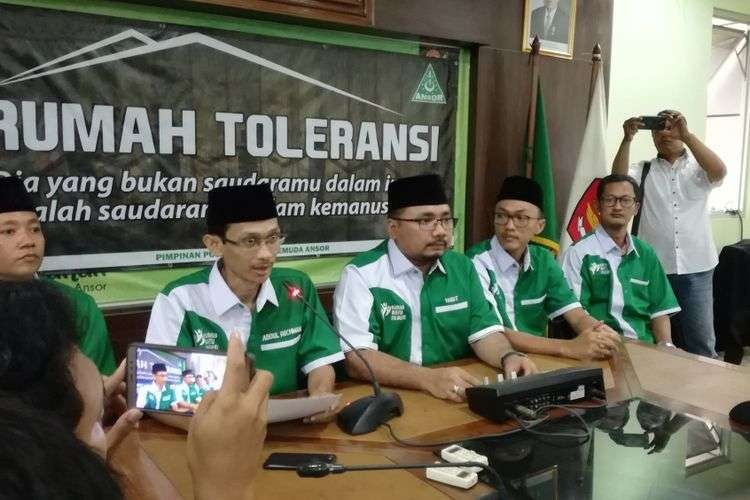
584	219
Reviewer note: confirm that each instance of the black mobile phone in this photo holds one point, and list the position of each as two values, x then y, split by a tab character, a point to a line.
653	122
169	379
290	461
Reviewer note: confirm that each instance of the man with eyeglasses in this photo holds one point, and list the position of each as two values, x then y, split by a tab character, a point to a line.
244	293
159	394
525	284
676	185
617	276
411	302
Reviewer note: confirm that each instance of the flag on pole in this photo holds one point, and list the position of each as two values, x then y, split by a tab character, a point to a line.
541	172
580	218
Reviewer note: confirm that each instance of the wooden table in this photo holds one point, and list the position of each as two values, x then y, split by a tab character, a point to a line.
152	461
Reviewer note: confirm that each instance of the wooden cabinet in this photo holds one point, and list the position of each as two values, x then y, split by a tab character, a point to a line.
355	12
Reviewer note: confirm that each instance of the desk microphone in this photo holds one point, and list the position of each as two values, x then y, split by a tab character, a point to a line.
365	414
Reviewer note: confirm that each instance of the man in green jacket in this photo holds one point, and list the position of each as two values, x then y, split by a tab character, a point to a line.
526	285
412	303
21	254
618	277
159	394
243	292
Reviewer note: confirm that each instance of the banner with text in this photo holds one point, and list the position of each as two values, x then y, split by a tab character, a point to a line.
120	127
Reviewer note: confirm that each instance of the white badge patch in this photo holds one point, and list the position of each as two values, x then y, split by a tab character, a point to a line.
452	307
280	345
531	302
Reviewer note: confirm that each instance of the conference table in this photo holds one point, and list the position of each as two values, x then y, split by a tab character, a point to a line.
151	461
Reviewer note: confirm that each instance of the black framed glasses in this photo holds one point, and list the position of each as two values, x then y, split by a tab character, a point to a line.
254	243
519	220
448	223
625	201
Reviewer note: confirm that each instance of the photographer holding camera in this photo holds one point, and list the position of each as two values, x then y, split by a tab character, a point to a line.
674	218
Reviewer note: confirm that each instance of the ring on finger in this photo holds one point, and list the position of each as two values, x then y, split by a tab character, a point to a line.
456	389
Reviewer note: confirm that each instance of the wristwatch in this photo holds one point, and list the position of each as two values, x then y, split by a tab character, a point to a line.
510	353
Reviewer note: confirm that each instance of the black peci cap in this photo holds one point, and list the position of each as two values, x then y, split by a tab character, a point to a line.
517	187
14	197
415	191
230	204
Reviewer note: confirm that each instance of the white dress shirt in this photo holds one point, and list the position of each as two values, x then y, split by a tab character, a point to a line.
675	219
233	313
507	278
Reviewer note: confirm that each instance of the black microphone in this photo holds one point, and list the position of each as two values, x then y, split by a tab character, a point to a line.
320	469
365	414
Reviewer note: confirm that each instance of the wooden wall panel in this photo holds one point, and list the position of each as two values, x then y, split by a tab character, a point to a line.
501	87
472	21
354	12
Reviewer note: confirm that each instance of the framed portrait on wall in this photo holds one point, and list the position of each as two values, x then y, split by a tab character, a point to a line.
554	22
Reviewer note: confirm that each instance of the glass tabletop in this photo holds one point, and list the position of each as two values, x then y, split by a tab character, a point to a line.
638	450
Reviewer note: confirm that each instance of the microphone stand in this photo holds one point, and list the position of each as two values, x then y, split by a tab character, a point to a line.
368	413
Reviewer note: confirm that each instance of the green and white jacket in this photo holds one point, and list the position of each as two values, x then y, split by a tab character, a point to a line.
526	296
625	291
384	302
200	310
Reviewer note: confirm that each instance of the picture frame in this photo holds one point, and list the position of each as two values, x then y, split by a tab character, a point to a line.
554	22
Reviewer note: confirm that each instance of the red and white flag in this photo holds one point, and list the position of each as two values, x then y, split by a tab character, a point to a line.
580	218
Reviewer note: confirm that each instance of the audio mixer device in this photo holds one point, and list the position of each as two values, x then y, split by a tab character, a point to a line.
558	387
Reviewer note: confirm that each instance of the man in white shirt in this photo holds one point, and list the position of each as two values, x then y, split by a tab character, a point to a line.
675	222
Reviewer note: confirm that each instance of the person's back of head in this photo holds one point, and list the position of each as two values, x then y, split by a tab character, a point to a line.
37	340
41	458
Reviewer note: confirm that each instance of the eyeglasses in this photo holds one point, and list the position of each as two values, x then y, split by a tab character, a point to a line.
253	244
519	220
448	223
625	201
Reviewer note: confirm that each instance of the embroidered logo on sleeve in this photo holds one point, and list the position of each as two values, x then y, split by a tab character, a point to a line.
396	312
205	339
599	268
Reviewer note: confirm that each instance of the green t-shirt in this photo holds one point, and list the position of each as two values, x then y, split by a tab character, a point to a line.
190	393
152	400
93	338
528	295
384	302
625	291
199	310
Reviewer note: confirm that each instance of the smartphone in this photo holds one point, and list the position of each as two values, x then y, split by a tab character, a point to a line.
653	122
290	461
169	379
